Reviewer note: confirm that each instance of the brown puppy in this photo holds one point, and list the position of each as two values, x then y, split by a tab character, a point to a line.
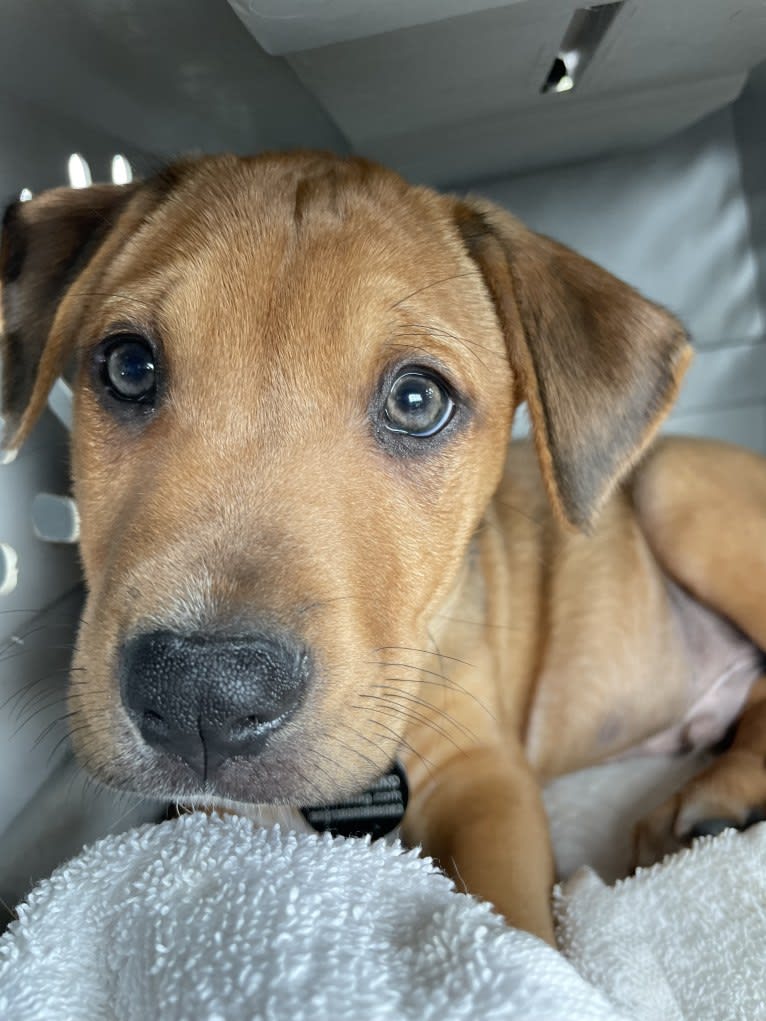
306	545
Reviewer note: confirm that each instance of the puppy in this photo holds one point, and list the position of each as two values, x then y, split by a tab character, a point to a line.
308	546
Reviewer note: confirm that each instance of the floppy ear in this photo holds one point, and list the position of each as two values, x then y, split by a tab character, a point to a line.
598	364
46	244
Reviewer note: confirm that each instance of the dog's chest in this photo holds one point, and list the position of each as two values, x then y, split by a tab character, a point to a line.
663	675
723	665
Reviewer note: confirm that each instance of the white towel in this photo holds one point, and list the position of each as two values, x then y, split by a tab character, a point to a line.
204	919
682	941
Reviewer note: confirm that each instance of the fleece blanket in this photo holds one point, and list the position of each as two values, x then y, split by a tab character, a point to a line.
213	919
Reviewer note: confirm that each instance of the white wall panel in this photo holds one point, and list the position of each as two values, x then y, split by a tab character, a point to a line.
729	375
675	221
672	220
745	425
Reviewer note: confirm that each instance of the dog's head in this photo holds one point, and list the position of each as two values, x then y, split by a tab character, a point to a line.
294	382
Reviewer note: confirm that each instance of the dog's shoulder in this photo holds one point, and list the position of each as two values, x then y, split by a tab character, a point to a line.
522	504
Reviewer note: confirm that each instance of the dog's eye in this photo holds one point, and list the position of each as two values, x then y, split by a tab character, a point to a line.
128	368
418	404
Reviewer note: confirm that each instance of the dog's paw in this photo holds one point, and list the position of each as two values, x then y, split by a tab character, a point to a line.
655	836
728	795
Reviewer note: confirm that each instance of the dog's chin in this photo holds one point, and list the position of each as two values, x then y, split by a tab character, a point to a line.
273	778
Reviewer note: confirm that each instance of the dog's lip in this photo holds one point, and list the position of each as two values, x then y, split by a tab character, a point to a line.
267	777
280	775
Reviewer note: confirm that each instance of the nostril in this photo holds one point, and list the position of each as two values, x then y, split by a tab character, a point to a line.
245	726
245	729
153	722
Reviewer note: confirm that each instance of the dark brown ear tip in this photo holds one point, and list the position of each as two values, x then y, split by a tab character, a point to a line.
470	222
10	212
578	508
168	177
12	247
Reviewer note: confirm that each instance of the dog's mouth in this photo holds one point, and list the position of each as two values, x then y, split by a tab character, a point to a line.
288	771
276	776
372	812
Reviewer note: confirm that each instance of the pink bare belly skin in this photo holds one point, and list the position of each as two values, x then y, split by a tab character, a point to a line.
723	666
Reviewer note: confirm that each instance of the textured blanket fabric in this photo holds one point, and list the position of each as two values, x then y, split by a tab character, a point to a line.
204	919
682	941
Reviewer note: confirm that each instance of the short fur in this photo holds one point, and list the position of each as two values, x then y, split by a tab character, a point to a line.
458	615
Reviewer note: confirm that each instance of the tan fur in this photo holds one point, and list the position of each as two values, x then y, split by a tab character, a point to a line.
458	618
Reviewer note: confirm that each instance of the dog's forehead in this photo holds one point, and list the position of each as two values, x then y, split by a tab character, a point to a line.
282	266
312	244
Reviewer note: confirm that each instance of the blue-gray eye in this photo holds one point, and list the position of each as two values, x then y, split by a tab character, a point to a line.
418	404
128	368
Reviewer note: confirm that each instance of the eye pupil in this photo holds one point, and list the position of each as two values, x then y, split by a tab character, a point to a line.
418	405
129	369
416	398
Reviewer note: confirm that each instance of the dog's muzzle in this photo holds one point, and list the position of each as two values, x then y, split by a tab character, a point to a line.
207	698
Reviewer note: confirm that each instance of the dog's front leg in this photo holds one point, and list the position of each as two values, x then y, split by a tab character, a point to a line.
481	817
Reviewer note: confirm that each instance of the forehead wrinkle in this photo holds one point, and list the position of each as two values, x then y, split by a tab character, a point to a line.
202	231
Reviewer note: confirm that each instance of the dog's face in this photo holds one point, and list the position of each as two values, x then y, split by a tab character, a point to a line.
274	486
294	382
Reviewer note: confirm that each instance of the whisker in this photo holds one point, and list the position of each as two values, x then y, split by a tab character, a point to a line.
66	737
424	652
434	283
357	733
518	510
416	349
407	666
12	914
316	751
310	785
131	807
391	704
401	742
480	623
449	682
370	762
27	697
427	331
441	331
26	610
50	728
394	713
37	711
428	705
447	687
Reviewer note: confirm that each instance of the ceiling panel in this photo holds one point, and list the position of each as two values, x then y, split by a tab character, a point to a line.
417	96
439	73
285	26
521	140
168	75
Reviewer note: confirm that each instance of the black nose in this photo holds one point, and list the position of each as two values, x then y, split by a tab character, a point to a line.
208	698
